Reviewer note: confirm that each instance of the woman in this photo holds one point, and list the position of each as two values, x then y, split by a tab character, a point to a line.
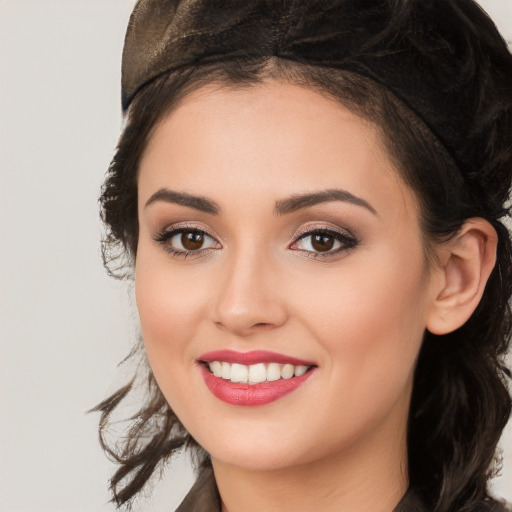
310	198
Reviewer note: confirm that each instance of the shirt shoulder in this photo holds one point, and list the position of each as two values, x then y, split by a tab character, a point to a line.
203	496
501	506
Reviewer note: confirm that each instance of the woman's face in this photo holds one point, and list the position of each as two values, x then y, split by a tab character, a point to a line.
277	238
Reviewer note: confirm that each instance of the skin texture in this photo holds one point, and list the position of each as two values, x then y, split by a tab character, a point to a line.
338	442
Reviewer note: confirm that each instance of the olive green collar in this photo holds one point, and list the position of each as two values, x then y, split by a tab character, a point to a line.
204	497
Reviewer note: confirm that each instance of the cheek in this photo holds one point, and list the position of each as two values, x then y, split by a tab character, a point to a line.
169	307
370	320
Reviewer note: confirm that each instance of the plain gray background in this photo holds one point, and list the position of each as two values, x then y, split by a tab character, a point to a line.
64	325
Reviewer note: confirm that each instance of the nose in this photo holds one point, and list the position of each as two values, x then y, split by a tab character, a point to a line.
248	299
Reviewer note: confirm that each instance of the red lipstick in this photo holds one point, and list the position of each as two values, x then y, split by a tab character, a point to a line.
252	357
244	394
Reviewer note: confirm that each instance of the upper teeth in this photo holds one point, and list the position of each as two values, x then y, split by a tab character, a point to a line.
255	373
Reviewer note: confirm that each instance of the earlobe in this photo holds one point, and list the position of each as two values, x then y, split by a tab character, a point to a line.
465	263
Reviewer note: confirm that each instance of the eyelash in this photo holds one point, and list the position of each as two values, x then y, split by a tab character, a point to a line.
347	241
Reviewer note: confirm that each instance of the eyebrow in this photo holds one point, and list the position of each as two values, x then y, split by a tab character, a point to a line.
282	207
299	201
182	198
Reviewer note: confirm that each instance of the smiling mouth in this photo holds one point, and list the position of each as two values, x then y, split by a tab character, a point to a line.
255	373
253	378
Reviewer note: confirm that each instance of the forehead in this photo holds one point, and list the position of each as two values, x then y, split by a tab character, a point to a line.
269	139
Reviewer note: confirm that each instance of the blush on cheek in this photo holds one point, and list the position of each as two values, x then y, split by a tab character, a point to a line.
154	289
370	320
169	309
158	318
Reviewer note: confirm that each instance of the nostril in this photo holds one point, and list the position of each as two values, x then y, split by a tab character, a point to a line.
261	326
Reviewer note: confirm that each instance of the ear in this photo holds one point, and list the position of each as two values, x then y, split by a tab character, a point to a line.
464	265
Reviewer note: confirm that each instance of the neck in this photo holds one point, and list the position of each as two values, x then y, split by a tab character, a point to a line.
370	475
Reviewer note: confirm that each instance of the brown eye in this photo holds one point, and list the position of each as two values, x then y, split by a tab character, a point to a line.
185	241
322	243
192	240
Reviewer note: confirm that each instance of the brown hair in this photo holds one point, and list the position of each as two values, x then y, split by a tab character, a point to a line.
434	77
460	401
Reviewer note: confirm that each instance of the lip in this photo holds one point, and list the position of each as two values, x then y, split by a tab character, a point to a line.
249	395
252	357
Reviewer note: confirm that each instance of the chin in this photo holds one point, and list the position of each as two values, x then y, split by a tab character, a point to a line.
257	458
